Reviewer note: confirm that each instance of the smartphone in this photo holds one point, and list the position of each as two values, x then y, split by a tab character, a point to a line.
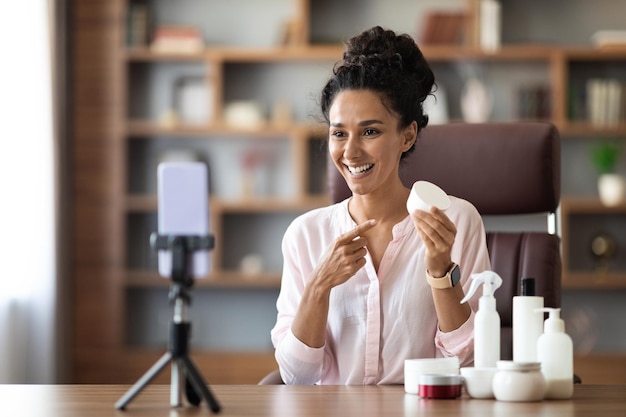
183	210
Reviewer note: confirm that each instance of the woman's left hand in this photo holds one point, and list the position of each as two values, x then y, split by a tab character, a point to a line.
438	233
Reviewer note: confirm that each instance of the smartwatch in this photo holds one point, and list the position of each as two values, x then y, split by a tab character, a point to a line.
449	280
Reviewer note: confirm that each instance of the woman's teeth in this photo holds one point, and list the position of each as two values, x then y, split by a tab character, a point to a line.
359	169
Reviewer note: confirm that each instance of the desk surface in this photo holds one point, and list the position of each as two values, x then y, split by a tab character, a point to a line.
292	401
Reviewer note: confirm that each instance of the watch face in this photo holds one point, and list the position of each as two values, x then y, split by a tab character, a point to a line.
455	275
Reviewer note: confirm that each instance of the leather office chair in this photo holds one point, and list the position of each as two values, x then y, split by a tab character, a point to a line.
502	169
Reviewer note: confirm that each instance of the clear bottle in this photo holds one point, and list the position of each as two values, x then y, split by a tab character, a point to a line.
555	352
527	322
486	320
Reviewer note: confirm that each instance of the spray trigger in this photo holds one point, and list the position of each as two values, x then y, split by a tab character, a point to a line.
490	280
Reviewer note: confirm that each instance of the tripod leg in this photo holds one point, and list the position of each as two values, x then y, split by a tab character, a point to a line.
143	381
199	385
175	381
192	396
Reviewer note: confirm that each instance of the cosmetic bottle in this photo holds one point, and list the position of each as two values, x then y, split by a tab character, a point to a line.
555	352
527	322
486	320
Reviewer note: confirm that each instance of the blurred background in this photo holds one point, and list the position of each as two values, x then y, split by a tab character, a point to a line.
96	94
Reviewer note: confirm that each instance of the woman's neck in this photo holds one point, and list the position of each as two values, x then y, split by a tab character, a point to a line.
387	207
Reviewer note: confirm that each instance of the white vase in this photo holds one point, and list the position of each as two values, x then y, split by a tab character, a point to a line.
611	189
476	102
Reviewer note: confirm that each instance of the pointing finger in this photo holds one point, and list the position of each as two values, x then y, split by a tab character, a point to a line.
357	231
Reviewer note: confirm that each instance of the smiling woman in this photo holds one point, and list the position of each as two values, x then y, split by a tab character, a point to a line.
367	284
27	181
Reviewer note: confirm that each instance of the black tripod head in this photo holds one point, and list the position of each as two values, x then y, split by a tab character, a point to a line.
182	247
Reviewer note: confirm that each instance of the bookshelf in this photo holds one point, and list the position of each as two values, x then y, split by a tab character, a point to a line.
119	97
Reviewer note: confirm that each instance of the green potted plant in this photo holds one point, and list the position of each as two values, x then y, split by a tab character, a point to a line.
605	158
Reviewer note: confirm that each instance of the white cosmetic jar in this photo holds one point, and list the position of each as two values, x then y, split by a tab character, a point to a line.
478	381
413	368
424	195
518	381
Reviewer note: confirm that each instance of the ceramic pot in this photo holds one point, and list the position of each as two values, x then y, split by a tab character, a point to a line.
611	189
476	102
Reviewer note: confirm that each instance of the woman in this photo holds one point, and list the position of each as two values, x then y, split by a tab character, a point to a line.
366	284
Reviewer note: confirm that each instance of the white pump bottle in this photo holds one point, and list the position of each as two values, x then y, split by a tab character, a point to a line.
486	320
527	322
555	352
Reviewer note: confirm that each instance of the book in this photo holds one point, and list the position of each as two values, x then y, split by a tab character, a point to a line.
177	39
533	103
605	102
490	25
442	28
609	39
137	25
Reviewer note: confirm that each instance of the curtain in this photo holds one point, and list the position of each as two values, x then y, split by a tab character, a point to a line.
29	186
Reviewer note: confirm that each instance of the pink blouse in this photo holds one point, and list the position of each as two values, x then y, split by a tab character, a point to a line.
375	320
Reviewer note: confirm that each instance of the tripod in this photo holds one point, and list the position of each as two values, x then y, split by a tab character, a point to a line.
183	368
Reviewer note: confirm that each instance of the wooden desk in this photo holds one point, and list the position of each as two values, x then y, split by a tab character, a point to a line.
295	401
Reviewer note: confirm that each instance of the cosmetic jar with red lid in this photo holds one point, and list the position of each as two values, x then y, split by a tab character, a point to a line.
440	386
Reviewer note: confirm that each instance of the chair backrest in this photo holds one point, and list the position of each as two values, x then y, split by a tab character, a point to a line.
502	169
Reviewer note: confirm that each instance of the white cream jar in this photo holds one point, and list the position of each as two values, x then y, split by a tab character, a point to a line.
518	381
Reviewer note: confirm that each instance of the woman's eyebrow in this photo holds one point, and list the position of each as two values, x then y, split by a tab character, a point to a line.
362	123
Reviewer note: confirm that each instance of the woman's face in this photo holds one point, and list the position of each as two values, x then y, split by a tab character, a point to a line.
364	141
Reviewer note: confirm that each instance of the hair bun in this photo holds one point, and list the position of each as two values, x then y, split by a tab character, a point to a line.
393	60
388	64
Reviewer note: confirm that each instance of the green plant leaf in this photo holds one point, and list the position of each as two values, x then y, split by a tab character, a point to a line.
605	156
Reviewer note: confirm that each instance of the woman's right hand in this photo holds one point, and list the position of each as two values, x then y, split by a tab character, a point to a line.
343	258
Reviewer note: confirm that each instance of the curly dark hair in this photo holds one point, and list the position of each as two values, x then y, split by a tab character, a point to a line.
388	64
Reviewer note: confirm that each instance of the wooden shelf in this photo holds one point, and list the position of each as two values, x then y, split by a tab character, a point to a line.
221	279
103	137
127	365
241	54
593	54
329	52
144	129
269	205
144	54
291	53
589	205
594	280
586	129
586	279
148	203
506	53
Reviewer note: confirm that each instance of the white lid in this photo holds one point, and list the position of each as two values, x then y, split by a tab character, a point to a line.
518	366
432	365
424	195
440	379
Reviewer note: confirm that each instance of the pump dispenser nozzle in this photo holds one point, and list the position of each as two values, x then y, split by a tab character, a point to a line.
490	280
554	323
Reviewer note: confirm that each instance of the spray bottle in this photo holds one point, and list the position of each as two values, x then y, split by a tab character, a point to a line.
486	320
555	353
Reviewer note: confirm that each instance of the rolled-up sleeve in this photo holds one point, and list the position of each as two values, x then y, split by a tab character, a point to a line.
459	342
298	363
